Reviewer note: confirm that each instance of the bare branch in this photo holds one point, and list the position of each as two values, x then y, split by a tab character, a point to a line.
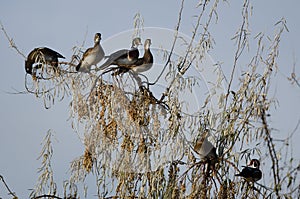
11	41
7	187
173	45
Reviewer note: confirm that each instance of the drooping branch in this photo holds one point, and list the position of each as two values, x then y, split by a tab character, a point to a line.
173	45
242	40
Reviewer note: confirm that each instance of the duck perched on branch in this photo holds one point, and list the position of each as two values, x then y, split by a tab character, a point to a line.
251	172
40	56
91	56
142	64
206	149
123	57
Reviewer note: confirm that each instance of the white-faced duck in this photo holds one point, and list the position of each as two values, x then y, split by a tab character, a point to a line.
251	173
123	57
142	64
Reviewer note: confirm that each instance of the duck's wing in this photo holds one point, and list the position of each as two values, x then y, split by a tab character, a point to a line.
120	54
250	174
87	53
84	56
50	52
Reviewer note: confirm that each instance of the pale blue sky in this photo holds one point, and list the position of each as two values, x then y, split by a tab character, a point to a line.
63	24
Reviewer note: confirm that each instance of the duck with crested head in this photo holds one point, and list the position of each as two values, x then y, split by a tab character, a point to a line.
91	56
123	57
251	172
142	64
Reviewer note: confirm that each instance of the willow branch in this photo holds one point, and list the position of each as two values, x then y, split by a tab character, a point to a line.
241	39
173	45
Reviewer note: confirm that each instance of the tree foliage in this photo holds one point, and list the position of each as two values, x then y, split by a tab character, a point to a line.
139	143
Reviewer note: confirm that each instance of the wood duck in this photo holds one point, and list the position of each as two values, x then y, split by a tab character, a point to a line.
123	57
142	64
39	56
251	172
91	56
206	149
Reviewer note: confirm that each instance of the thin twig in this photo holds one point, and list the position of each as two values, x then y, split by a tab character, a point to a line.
11	41
242	37
6	186
47	196
173	45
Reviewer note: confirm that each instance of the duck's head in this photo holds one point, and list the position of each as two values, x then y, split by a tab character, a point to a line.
255	163
147	43
97	37
136	42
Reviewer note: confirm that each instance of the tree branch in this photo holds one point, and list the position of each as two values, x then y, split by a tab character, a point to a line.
11	41
6	186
